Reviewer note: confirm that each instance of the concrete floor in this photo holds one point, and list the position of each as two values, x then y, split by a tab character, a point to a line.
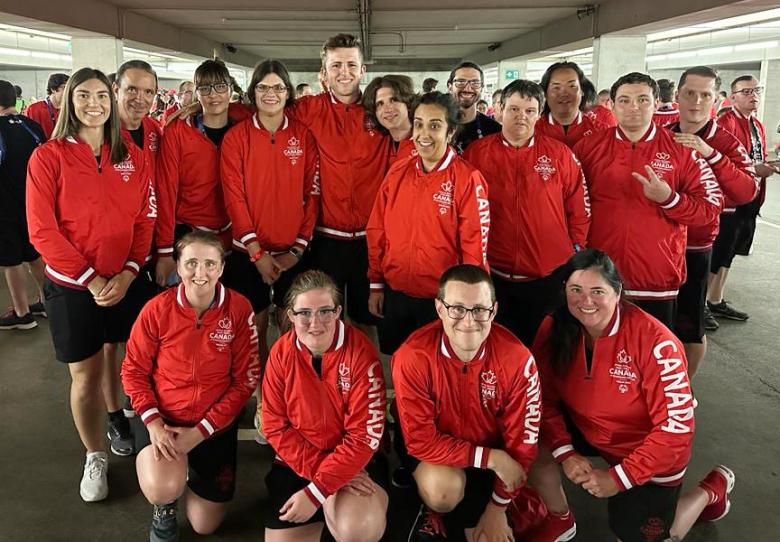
738	388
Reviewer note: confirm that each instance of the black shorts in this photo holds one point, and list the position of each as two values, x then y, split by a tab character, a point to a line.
403	315
242	276
211	465
689	326
663	310
141	290
523	305
747	232
15	247
725	246
79	328
282	483
347	263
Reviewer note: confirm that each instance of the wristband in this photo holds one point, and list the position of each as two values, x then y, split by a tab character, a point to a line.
297	252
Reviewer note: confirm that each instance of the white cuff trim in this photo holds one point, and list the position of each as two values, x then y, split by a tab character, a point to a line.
210	428
623	478
316	492
500	500
478	456
672	203
560	450
148	414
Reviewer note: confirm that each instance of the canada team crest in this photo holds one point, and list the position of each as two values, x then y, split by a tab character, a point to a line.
223	336
443	198
622	372
544	167
345	379
488	385
125	168
293	150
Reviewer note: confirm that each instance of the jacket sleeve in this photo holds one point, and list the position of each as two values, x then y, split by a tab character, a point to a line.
576	201
375	236
143	229
473	219
735	172
167	188
697	200
43	172
311	192
244	372
231	165
669	400
364	424
519	424
140	355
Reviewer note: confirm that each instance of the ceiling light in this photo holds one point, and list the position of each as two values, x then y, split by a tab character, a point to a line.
13	52
755	45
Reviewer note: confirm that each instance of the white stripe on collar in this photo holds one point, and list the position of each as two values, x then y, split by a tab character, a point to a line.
713	129
259	127
71	139
616	325
447	160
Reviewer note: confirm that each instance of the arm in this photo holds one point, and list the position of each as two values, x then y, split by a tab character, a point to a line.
698	199
167	190
233	186
576	202
473	219
376	239
311	192
143	228
140	357
735	173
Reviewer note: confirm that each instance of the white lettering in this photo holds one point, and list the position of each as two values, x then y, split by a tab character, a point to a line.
533	410
673	372
375	425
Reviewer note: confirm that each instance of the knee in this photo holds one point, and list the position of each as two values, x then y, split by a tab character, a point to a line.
359	528
202	526
159	486
161	490
442	493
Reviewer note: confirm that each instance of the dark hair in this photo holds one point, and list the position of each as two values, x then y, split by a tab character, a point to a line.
341	41
467	64
429	84
566	329
68	124
18	91
701	71
588	93
314	279
740	79
183	84
111	78
211	72
634	78
403	90
267	67
603	92
545	82
723	93
468	273
198	236
7	94
526	89
665	90
445	101
300	86
498	92
56	80
135	65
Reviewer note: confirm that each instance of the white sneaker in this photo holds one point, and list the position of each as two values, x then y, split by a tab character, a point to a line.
94	483
259	436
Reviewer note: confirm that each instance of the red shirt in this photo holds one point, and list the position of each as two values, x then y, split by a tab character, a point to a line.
583	126
538	203
45	114
401	150
666	117
170	110
452	413
645	239
271	184
634	404
324	426
424	223
603	115
751	133
88	220
190	370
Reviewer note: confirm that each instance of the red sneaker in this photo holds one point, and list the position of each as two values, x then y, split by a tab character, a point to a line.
554	528
718	484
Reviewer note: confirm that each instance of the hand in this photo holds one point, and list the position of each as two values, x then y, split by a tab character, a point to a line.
163	269
286	260
97	285
376	303
298	508
186	438
361	485
507	469
655	189
692	141
162	441
269	268
493	526
185	112
115	289
577	468
764	170
601	484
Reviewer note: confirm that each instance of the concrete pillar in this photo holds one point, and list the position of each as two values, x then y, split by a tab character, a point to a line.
514	69
769	106
104	53
614	56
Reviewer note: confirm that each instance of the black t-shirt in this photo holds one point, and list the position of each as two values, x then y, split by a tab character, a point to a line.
138	136
478	128
18	145
216	134
316	362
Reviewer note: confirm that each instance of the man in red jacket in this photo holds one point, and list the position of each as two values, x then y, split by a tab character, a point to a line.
540	203
47	111
468	399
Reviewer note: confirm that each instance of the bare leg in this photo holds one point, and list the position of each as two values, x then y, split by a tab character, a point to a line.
205	516
86	401
545	477
17	286
695	354
305	533
352	518
161	481
689	508
441	488
716	285
36	270
111	381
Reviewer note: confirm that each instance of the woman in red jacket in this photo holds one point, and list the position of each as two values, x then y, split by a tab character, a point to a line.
615	385
191	365
324	415
90	217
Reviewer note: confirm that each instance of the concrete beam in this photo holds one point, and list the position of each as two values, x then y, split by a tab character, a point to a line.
383	65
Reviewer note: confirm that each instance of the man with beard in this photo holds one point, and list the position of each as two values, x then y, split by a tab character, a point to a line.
465	83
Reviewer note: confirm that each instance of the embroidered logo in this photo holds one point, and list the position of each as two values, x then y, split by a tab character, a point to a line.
345	379
154	141
544	167
443	198
293	150
661	164
488	386
125	168
622	371
223	335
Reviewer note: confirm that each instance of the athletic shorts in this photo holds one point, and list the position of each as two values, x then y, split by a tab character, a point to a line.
523	305
79	328
211	472
403	315
141	290
347	263
689	325
282	483
242	275
15	247
725	246
663	310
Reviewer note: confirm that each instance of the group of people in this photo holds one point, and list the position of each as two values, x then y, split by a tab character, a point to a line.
484	253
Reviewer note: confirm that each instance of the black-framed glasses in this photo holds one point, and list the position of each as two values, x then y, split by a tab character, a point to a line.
462	83
307	316
265	89
459	312
219	88
750	91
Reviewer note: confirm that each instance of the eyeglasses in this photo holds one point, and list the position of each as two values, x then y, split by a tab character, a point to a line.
306	316
463	83
750	91
265	89
458	312
219	88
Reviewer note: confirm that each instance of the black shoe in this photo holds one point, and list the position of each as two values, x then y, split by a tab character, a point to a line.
402	478
164	526
38	309
710	323
428	527
10	320
724	310
120	437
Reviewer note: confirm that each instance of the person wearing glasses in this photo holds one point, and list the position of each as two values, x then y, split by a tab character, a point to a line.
324	416
465	84
189	191
190	366
469	403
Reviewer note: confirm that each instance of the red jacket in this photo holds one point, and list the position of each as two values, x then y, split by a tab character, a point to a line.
271	184
666	117
354	157
44	113
170	110
424	223
582	126
325	428
635	405
188	187
538	202
188	370
740	125
603	115
452	413
645	239
85	219
404	149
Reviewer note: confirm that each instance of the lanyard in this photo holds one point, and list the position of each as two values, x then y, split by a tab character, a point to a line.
50	107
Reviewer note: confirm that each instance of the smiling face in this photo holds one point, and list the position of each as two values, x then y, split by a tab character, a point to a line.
92	103
135	93
696	97
466	334
200	266
215	102
519	117
391	112
564	93
591	300
316	327
465	87
269	101
343	70
430	133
